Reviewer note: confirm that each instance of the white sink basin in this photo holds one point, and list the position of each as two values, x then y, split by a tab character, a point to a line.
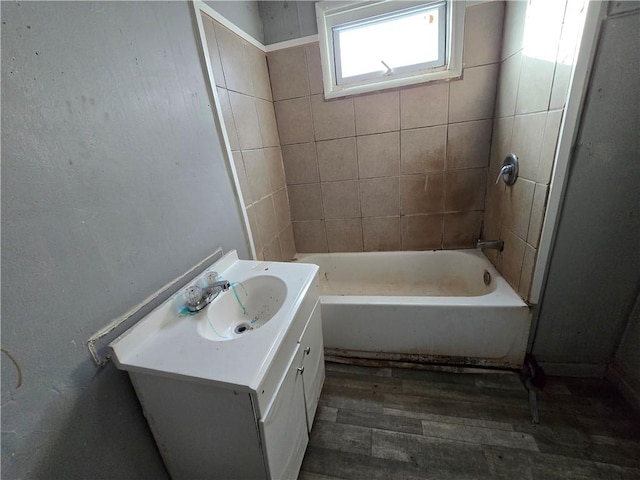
242	309
170	342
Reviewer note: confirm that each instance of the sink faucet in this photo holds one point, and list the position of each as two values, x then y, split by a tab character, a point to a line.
198	298
494	244
217	287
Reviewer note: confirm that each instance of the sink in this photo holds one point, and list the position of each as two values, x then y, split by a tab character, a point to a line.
197	345
260	391
244	308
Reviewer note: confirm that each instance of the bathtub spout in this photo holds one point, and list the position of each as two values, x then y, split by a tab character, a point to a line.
493	244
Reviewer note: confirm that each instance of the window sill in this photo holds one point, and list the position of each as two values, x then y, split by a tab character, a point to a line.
385	83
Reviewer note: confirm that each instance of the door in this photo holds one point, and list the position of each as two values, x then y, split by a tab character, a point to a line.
283	427
312	351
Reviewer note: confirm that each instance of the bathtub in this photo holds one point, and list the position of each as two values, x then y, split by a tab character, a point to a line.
446	306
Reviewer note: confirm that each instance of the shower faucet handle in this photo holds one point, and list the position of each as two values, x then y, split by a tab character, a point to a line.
505	170
509	170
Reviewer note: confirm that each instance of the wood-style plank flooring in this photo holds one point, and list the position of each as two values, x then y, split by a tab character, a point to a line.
390	423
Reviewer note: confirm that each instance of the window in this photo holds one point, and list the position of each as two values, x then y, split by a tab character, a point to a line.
368	46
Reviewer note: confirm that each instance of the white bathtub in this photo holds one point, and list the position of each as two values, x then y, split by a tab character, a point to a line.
429	307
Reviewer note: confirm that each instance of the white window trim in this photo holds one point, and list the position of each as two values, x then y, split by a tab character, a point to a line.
440	5
330	13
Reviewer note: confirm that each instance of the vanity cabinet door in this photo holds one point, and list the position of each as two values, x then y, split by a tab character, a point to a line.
283	427
312	350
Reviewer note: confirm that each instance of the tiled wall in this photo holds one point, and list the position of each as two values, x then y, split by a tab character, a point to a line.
532	89
404	169
242	80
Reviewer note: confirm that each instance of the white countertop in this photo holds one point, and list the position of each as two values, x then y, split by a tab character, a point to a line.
166	344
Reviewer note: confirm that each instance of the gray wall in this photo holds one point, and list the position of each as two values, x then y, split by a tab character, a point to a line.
113	184
243	14
290	20
627	359
594	274
287	20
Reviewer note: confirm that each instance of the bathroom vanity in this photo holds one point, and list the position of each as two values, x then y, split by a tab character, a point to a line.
231	391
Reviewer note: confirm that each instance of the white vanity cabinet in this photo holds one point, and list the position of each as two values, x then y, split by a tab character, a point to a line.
283	427
206	428
312	364
290	416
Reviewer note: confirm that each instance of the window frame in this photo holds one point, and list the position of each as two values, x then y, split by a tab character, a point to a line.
442	43
332	16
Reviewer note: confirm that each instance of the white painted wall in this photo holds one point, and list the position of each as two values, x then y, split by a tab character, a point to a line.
113	184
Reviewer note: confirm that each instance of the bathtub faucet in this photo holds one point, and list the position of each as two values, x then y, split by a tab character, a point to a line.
494	244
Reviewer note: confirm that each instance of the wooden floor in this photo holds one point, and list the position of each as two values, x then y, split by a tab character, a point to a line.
375	423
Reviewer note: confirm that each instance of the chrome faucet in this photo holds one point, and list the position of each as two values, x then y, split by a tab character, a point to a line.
217	287
493	244
198	298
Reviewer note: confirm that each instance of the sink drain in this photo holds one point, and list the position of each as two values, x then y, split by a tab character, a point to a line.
242	328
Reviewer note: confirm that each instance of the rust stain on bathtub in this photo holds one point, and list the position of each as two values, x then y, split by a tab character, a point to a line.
445	286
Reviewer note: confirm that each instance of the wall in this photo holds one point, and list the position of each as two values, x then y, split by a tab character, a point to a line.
113	184
287	20
594	274
532	89
242	79
625	368
403	169
244	14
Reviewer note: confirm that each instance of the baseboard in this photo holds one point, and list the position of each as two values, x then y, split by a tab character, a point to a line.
420	358
592	370
379	363
630	392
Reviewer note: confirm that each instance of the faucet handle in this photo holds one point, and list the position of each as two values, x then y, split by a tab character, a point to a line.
506	169
194	295
509	170
211	278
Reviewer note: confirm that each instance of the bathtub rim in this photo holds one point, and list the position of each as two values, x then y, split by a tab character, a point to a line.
502	295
